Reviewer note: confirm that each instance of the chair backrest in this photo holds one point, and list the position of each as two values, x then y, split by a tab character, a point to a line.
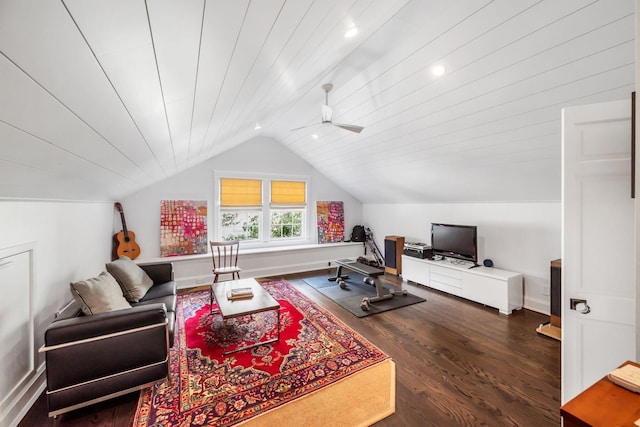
224	254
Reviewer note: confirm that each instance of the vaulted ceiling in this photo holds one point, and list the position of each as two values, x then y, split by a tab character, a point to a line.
100	98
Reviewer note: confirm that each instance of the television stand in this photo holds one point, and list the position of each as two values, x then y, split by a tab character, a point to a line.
456	262
487	285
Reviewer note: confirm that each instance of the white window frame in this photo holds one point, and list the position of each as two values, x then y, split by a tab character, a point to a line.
289	208
241	209
264	238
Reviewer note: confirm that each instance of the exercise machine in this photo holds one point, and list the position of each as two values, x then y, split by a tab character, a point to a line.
373	247
371	274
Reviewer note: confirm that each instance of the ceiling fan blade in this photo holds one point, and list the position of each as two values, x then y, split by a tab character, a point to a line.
327	112
352	128
303	127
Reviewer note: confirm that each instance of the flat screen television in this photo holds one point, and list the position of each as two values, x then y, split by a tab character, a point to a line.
455	241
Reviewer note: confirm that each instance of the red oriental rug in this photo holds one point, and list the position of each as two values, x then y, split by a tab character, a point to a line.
315	351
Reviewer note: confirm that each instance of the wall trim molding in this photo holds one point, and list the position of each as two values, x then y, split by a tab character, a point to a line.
204	280
18	271
196	271
534	304
271	249
36	200
23	403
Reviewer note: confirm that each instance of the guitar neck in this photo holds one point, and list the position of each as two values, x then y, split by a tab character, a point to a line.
124	226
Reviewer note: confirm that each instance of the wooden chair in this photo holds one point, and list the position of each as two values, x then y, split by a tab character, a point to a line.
225	261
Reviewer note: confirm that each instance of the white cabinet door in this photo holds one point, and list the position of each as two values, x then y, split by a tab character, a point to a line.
415	270
486	290
446	279
598	261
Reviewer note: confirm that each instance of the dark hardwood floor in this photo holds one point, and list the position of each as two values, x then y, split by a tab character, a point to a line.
457	363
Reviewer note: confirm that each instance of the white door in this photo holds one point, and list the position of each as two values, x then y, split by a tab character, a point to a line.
598	260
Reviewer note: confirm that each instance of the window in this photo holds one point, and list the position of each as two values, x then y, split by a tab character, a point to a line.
286	224
288	207
240	225
243	210
240	208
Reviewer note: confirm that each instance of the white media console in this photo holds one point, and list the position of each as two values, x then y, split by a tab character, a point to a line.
487	285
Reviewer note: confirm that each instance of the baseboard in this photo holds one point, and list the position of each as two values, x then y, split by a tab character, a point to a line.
534	304
193	281
24	399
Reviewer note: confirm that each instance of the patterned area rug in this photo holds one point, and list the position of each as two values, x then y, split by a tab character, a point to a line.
315	350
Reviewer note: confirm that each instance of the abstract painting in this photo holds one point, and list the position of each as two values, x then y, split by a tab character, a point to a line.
183	227
330	222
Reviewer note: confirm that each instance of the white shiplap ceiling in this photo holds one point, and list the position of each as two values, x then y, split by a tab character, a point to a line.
100	98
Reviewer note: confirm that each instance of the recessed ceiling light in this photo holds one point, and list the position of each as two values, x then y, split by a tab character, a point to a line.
351	32
438	70
257	127
314	136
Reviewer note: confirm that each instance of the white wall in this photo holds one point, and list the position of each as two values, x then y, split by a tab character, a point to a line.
260	155
72	242
520	237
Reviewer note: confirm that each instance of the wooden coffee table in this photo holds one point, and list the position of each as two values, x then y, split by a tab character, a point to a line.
229	309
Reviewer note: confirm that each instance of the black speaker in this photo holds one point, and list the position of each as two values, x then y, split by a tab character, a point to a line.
390	253
393	254
487	263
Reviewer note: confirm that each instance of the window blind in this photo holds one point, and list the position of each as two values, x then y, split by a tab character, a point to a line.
240	192
288	192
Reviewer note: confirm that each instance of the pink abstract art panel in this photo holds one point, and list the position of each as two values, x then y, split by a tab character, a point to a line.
330	222
183	227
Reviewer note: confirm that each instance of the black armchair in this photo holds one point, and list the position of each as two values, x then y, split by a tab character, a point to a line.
92	358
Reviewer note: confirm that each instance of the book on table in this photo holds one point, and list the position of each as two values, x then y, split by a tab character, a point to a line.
628	376
239	293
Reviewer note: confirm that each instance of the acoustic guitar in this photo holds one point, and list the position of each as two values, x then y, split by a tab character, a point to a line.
125	241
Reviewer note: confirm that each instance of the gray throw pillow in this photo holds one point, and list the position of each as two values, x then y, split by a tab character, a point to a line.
133	280
99	294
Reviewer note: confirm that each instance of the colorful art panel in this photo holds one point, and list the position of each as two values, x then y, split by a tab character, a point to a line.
183	227
330	222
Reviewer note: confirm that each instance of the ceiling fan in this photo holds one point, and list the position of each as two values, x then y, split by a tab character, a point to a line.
327	113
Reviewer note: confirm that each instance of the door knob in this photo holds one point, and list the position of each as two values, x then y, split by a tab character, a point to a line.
580	305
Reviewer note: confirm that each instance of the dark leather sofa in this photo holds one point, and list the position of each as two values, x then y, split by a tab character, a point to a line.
92	358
